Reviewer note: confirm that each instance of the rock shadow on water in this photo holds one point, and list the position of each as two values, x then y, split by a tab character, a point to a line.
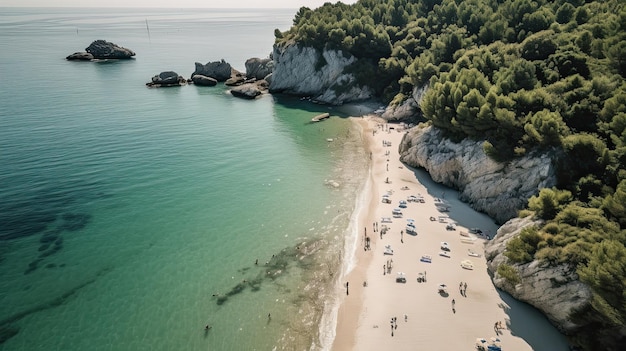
8	325
52	239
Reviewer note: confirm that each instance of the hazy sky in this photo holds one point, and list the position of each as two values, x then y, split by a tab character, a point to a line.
170	3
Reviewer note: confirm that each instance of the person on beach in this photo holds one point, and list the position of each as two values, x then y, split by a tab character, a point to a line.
384	269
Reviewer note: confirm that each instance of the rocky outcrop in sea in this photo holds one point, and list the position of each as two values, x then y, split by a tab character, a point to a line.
250	90
497	189
321	75
167	79
218	70
102	50
257	68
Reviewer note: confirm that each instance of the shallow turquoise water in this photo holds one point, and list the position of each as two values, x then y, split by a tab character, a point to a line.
133	207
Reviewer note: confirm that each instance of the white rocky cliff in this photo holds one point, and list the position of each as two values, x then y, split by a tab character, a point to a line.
305	71
554	290
497	189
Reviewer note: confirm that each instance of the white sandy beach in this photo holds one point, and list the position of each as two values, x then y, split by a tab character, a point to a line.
365	314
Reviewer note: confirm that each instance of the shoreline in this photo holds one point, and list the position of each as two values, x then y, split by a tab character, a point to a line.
424	317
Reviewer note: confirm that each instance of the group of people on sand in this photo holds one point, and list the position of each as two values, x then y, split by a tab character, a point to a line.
463	289
497	326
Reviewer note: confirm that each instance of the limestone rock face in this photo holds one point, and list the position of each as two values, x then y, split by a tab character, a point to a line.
102	49
167	79
497	189
409	110
305	71
554	290
257	68
218	70
199	79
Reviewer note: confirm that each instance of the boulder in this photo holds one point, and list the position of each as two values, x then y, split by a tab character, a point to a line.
408	110
199	79
167	79
218	70
80	56
102	49
250	90
236	79
258	68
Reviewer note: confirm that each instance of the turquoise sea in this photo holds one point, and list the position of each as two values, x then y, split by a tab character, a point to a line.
131	218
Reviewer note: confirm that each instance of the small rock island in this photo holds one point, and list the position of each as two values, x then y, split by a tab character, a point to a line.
102	50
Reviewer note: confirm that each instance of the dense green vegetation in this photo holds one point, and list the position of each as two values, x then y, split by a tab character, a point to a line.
522	75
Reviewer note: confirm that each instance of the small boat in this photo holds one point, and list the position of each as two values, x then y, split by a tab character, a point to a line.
426	258
442	289
402	204
396	213
386	199
465	234
321	117
411	198
450	226
467	241
385	220
410	229
444	254
445	246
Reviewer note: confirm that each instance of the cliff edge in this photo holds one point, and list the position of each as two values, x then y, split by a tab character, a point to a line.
320	75
497	189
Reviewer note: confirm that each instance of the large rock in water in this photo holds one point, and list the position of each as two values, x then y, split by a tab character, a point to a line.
259	68
218	70
80	56
199	79
250	90
102	49
167	79
305	71
497	189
